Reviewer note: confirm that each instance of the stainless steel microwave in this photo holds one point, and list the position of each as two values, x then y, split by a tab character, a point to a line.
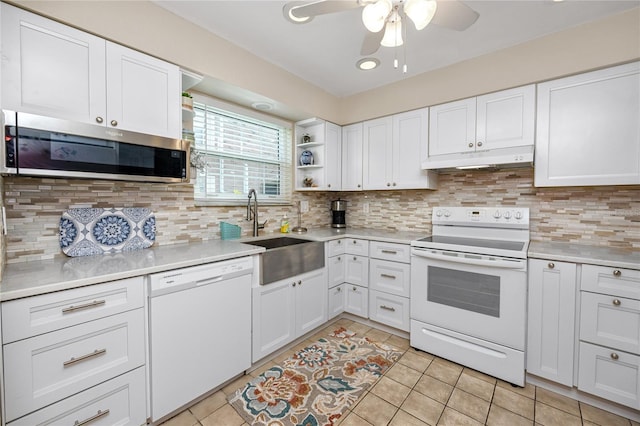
43	146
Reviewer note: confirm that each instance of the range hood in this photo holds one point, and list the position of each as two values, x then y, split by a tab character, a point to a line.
519	156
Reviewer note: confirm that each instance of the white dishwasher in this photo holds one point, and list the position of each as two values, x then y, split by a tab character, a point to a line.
200	331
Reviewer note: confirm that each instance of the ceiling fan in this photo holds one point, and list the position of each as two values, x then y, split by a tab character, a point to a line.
388	15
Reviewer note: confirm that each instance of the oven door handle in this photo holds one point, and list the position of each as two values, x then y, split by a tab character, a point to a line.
471	259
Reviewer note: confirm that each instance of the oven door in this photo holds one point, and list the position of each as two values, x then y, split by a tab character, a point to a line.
476	295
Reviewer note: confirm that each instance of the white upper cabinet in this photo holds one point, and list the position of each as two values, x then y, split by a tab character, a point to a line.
51	69
352	157
394	149
497	128
588	129
321	169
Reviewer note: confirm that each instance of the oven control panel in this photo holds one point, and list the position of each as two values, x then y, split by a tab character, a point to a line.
507	217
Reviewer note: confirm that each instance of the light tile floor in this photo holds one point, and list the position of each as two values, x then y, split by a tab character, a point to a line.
421	389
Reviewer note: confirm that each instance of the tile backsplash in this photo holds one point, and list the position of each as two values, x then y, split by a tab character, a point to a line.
585	215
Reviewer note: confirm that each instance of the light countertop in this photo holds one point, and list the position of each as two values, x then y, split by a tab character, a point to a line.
578	253
63	273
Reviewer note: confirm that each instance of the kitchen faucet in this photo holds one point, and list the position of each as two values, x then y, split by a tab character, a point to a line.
253	213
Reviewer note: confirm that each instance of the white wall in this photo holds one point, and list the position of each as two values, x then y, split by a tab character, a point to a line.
147	27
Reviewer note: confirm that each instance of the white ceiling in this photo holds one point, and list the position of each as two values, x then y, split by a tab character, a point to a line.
324	51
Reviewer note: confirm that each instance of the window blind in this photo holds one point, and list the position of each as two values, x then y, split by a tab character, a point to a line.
241	152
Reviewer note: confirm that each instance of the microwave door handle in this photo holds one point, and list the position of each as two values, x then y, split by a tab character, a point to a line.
496	263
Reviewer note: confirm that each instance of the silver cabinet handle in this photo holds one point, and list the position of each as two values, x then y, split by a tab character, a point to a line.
299	282
355	242
617	273
355	258
339	241
328	185
479	143
387	308
470	144
339	259
85	357
99	120
614	356
354	288
393	277
339	289
294	284
394	184
616	302
358	185
114	123
389	251
74	308
92	418
551	265
388	183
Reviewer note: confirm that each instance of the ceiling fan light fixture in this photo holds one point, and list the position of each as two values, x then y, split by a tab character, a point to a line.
366	64
392	34
420	12
375	14
288	12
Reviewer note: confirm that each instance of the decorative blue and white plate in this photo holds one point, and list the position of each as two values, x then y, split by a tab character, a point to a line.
87	231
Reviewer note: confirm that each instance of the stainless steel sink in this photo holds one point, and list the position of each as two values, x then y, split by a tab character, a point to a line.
287	257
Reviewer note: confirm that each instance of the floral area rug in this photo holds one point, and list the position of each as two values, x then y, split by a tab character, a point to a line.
317	384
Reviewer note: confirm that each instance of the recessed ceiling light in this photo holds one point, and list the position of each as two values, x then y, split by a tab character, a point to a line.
367	64
262	106
287	11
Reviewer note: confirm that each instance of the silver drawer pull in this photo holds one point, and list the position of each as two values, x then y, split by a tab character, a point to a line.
387	308
614	356
389	251
92	418
86	357
551	265
393	277
74	308
616	302
617	273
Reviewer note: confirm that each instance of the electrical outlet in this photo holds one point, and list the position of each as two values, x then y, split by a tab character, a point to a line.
365	207
304	206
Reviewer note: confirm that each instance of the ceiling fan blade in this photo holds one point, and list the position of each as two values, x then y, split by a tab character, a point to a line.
322	7
455	15
371	43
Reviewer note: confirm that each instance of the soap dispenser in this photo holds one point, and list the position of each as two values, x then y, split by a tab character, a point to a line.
284	224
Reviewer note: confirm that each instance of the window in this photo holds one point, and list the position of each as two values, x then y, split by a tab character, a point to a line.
242	150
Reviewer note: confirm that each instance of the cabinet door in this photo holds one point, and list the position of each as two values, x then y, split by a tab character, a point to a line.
610	374
410	135
143	93
357	270
587	129
337	298
505	119
336	267
550	338
357	300
333	160
51	69
452	127
274	317
311	301
377	153
352	157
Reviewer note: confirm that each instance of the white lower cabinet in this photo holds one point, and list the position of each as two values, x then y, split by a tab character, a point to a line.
551	320
389	309
357	270
610	374
337	299
287	309
356	300
119	401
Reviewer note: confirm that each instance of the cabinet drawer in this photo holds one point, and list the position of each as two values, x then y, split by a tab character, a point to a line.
390	277
614	281
356	246
610	321
47	368
31	316
336	266
389	309
118	401
390	251
335	247
610	374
